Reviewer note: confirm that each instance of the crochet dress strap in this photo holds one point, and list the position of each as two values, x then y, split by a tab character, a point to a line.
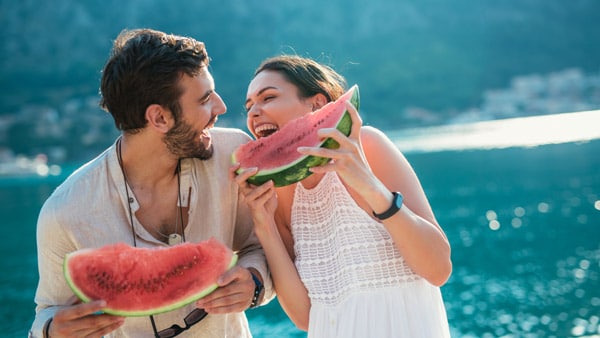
339	248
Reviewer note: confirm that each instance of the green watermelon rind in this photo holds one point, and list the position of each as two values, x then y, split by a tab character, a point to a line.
300	169
149	312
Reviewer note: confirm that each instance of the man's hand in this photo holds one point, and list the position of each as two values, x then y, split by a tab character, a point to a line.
235	292
83	320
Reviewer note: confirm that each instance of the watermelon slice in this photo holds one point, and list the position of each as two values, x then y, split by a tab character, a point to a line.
276	156
141	281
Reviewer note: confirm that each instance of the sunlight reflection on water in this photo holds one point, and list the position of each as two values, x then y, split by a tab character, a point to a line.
515	132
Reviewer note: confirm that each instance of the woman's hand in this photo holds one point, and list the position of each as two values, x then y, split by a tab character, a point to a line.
348	160
261	199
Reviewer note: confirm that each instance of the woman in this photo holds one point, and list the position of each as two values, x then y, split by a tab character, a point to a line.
347	257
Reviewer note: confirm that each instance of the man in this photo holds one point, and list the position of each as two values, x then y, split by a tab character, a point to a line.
164	181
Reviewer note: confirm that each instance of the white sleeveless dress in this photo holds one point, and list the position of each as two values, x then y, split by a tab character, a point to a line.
358	283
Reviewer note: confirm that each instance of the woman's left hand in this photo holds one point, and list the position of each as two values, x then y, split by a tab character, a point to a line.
262	199
348	160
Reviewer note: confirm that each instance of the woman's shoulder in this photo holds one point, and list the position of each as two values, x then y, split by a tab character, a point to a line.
381	152
374	139
370	131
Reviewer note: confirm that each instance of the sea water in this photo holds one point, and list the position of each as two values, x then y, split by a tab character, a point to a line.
522	216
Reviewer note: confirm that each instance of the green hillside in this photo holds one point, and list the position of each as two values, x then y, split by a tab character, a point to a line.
435	55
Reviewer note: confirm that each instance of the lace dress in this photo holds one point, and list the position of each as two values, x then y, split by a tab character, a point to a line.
358	283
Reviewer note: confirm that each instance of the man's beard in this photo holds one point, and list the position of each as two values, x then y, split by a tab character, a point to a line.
183	142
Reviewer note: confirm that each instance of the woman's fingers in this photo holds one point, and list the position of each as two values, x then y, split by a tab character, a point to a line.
241	177
356	120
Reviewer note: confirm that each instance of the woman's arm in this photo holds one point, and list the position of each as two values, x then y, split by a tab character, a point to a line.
277	245
414	229
371	166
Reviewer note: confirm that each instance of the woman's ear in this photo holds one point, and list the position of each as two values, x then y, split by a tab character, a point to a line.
159	118
318	101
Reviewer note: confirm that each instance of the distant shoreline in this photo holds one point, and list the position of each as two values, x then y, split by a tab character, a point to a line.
513	132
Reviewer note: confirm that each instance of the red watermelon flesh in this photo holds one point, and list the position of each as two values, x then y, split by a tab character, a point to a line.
142	281
276	155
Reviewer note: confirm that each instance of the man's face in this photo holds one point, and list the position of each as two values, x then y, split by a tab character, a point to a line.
200	107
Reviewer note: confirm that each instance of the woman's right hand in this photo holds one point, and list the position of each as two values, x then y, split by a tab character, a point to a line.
83	320
261	199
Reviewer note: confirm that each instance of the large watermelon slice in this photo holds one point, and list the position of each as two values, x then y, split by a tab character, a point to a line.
276	156
140	281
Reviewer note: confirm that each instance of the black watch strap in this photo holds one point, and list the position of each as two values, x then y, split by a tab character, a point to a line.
258	288
393	209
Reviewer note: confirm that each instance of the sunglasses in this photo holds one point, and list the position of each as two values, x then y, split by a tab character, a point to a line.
190	320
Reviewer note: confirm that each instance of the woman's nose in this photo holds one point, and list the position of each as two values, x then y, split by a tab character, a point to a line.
254	111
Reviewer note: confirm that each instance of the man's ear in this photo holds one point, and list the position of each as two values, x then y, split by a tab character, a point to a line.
318	101
159	118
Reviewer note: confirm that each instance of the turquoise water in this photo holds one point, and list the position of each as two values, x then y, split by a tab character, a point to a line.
523	221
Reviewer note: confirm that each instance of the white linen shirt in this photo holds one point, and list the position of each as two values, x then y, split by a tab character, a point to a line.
89	210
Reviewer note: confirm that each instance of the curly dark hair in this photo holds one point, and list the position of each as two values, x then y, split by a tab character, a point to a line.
144	68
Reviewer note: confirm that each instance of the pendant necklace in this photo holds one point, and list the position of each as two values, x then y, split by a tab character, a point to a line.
172	239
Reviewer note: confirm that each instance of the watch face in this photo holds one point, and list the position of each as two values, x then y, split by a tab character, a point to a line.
398	200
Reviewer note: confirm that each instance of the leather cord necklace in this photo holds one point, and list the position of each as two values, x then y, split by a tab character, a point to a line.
174	238
179	238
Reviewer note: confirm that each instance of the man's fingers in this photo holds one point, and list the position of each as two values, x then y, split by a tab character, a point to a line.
81	310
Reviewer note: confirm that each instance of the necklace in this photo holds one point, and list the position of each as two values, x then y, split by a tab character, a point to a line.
172	239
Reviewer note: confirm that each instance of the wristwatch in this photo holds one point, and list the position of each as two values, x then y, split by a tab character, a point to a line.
393	209
258	288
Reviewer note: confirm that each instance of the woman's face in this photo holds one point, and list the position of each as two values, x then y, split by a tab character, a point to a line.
271	102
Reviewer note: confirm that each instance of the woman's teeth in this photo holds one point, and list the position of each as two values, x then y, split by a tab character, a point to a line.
265	130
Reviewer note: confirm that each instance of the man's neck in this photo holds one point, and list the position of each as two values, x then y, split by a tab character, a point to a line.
147	162
151	172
